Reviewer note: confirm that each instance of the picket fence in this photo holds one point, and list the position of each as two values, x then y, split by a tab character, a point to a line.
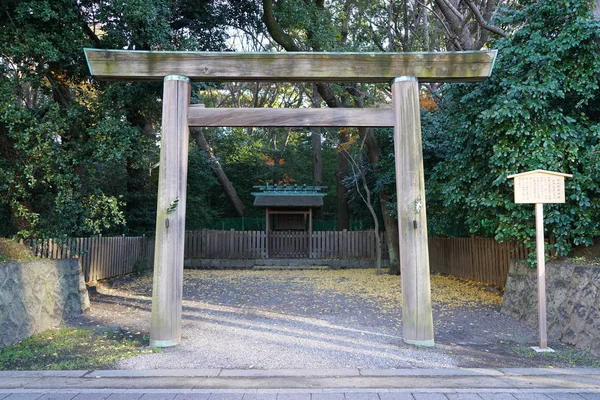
101	257
476	258
285	244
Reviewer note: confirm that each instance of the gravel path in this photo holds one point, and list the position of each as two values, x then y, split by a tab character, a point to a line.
318	319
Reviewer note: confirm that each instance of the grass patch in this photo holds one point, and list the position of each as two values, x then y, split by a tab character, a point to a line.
73	348
11	251
562	357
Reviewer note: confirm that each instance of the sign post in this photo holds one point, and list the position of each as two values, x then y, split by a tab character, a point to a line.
540	187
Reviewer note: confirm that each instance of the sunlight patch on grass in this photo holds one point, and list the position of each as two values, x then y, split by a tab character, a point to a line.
73	348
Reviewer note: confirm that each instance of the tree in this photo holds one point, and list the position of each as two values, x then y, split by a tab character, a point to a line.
358	182
468	23
330	28
76	153
52	152
228	188
539	109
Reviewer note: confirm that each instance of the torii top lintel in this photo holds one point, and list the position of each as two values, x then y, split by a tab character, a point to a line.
464	66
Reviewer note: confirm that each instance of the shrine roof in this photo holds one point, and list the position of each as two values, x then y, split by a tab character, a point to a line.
288	201
288	196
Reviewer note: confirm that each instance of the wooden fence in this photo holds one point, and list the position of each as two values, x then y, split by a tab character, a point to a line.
225	244
101	257
232	244
346	245
480	259
476	258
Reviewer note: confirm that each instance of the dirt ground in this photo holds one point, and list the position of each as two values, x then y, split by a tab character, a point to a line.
323	319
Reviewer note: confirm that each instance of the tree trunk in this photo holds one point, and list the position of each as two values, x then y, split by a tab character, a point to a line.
390	223
426	38
343	216
375	220
316	137
228	188
391	228
317	158
317	165
405	44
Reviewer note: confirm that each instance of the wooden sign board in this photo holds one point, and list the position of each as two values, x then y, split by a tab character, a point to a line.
540	187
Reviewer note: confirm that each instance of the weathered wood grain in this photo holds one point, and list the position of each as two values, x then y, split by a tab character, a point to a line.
467	66
417	317
541	274
284	117
167	286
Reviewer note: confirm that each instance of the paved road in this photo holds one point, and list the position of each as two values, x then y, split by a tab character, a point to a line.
338	384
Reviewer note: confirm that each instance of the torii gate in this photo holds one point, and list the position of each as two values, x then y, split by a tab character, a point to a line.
403	70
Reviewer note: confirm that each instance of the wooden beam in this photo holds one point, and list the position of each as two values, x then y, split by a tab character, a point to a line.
198	115
465	66
167	287
417	317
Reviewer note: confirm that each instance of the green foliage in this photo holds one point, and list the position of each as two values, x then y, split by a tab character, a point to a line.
72	348
254	156
241	154
309	22
205	197
75	154
539	109
141	265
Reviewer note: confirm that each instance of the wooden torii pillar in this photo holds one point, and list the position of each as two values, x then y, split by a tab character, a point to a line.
403	70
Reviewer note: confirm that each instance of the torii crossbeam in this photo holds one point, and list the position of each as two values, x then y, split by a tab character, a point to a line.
403	70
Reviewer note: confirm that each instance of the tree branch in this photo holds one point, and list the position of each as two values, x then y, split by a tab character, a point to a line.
282	38
449	32
448	9
91	35
482	22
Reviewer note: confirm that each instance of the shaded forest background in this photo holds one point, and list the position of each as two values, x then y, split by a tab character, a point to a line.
79	156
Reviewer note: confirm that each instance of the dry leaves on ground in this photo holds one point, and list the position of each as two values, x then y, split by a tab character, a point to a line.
446	292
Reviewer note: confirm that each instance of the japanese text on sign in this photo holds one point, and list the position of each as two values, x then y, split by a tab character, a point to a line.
539	188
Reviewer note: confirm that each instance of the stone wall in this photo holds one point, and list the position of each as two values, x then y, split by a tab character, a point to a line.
573	301
35	296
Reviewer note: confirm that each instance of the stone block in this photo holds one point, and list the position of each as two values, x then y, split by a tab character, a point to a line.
573	308
39	295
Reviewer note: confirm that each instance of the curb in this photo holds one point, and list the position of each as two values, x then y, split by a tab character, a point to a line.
309	373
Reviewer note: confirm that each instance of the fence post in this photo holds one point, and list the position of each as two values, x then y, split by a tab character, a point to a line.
231	252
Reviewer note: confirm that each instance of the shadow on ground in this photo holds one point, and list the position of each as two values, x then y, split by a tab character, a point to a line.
319	319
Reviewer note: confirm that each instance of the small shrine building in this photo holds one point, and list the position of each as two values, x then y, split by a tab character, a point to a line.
289	212
289	207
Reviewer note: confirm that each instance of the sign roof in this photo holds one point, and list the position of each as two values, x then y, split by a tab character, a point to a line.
540	171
